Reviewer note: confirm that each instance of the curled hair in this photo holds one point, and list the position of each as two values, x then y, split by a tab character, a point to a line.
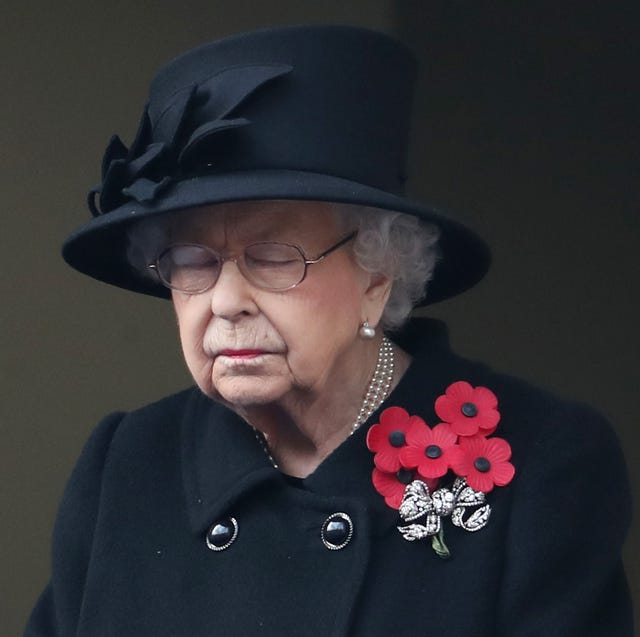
397	245
394	244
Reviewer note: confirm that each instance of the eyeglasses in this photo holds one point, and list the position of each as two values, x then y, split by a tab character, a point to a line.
194	268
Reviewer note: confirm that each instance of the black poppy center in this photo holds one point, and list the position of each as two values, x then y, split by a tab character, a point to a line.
482	464
396	439
405	476
469	410
433	452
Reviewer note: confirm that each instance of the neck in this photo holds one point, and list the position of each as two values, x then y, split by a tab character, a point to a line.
300	432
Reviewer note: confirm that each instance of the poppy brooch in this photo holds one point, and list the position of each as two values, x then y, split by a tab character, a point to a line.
411	459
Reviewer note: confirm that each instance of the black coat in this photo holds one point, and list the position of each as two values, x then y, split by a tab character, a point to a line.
130	556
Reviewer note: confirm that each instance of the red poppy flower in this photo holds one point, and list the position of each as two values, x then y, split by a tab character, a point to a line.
428	450
484	462
392	485
468	409
388	437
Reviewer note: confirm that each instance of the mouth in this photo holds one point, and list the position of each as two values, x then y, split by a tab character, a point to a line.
242	354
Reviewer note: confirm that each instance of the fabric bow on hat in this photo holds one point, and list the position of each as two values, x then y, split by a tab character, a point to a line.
181	140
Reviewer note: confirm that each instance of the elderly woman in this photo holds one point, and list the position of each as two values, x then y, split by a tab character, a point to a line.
337	470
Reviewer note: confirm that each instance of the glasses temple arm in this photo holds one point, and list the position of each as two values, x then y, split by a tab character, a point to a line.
332	248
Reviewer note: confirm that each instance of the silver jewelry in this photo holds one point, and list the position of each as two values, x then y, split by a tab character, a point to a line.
418	501
377	391
366	331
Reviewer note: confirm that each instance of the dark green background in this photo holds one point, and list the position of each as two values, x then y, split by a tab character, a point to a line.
526	126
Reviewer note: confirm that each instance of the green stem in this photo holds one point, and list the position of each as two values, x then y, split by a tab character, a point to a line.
438	545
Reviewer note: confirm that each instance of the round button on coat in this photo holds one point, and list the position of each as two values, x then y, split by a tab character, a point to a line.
337	531
222	534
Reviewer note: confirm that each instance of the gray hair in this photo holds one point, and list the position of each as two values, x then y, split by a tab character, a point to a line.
397	245
394	244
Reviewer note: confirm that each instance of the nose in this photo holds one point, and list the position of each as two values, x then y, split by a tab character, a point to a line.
232	295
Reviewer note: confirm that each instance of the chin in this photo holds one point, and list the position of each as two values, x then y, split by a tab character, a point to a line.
247	392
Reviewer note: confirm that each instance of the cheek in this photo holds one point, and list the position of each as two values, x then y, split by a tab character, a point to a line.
193	318
319	325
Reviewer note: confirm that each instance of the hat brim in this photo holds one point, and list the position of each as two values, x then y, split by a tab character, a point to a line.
99	247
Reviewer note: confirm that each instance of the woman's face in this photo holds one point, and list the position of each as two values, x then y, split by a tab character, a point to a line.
246	346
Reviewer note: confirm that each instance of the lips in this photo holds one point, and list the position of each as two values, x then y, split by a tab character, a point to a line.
242	353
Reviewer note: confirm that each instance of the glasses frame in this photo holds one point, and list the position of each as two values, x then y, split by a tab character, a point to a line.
238	257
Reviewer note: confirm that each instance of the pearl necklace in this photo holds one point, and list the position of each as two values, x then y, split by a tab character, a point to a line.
377	391
380	383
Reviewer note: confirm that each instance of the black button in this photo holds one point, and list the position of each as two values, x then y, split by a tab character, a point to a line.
337	531
222	534
482	464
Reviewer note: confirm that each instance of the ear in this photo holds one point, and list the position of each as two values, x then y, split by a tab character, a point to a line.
375	298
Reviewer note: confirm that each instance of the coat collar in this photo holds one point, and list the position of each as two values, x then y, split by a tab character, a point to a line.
223	461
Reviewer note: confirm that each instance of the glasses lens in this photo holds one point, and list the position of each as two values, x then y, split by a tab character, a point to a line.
189	268
275	266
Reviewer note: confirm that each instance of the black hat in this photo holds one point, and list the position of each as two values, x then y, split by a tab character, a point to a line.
312	112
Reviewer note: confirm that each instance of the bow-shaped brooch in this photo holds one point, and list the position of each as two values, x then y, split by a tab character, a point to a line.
183	139
411	459
418	502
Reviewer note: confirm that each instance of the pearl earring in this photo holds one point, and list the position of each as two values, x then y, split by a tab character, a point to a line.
366	331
